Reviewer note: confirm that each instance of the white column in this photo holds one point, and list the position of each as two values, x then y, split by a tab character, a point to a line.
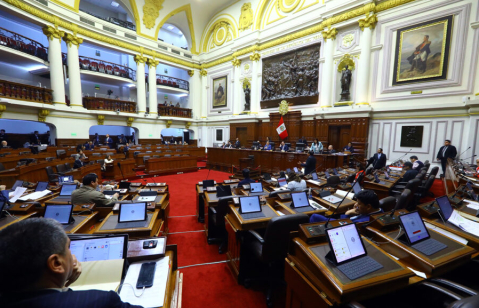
327	74
238	105
204	95
195	94
363	71
74	82
56	66
140	83
152	93
256	83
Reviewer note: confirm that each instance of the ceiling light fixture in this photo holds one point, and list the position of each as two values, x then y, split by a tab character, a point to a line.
114	4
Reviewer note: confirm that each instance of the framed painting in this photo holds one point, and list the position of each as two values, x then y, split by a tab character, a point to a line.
220	92
422	51
219	135
411	136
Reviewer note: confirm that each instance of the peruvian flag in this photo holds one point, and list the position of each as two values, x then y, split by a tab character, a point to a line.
282	132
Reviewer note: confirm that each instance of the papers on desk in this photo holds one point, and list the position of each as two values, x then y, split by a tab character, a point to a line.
17	194
446	233
332	199
343	193
314	182
464	224
395	168
102	275
280	188
152	297
471	204
36	195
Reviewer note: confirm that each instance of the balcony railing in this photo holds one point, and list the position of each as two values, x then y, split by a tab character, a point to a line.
105	67
25	92
174	112
24	44
113	20
172	82
107	104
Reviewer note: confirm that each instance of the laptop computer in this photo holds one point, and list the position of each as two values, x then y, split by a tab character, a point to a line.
445	207
296	169
208	183
61	213
348	252
18	183
41	186
377	180
300	202
314	176
66	192
100	248
124	185
256	188
132	212
65	179
357	188
327	196
335	172
223	191
417	236
147	196
250	207
326	174
267	176
282	182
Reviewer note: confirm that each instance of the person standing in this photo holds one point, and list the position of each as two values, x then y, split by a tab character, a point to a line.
132	138
3	135
96	140
109	141
35	142
237	143
303	140
126	149
310	164
445	152
316	146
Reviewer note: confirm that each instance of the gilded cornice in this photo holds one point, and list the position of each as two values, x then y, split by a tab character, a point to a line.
236	62
42	115
72	39
151	11
129	121
53	32
329	34
255	56
100	119
3	108
203	73
369	21
140	59
153	62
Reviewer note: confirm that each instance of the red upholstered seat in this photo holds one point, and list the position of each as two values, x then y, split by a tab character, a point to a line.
94	66
85	64
116	71
109	69
101	68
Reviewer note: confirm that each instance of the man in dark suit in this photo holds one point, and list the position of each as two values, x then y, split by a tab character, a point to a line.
96	140
283	147
237	143
3	135
303	140
126	149
35	141
445	152
39	270
410	172
331	149
310	164
78	162
109	141
122	139
378	160
89	146
132	138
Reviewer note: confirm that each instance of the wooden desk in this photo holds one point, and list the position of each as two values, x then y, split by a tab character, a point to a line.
152	227
271	162
8	220
82	223
287	206
125	170
172	164
346	205
382	190
312	281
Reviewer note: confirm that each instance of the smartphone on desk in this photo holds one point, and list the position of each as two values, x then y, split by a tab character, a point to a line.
146	276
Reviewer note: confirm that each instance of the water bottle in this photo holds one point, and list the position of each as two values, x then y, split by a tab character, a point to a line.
310	196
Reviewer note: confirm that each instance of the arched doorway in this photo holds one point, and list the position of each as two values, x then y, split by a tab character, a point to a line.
19	132
116	132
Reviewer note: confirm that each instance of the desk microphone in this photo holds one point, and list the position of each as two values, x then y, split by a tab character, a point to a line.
119	166
463	152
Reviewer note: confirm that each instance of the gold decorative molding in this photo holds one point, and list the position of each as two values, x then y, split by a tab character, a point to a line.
246	17
221	31
42	115
287	6
416	92
153	63
140	59
283	107
151	11
369	21
363	103
329	34
255	57
168	123
236	62
100	119
3	108
72	39
187	125
191	73
343	103
203	73
346	59
129	121
53	32
246	82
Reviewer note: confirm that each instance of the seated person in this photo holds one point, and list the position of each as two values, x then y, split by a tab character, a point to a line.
410	172
416	163
246	179
88	193
348	148
89	146
378	160
126	148
39	270
223	146
331	150
230	145
107	160
367	204
82	155
283	147
259	146
78	162
267	146
295	182
3	144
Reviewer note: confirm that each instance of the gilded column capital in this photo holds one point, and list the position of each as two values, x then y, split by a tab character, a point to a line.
72	39
203	72
140	59
255	56
191	73
42	115
129	121
53	32
369	21
100	119
3	108
329	34
236	62
153	63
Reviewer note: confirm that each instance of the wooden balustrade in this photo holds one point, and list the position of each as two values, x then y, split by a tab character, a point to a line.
98	103
25	92
174	111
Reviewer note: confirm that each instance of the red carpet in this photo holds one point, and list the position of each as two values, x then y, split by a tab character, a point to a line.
184	223
193	249
437	189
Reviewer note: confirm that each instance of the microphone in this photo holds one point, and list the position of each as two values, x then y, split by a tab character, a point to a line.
453	197
397	160
463	152
119	166
469	157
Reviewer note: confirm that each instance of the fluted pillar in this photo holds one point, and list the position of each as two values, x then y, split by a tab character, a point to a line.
195	93
238	106
140	83
56	66
152	93
327	76
363	71
256	83
204	95
74	79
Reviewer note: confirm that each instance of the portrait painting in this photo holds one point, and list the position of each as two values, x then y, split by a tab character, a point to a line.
422	51
220	92
411	136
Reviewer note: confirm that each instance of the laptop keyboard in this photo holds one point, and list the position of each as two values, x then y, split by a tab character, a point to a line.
359	267
253	215
429	246
303	209
133	224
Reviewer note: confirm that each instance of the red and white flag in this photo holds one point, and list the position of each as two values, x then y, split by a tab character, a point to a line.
282	132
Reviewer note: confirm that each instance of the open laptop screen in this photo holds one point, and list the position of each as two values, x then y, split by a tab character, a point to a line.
18	183
250	204
60	213
300	199
223	191
41	186
132	212
282	182
102	248
345	243
256	187
414	227
65	179
208	183
445	206
124	185
67	189
357	188
314	175
296	169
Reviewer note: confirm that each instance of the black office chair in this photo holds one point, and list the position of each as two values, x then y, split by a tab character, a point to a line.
50	158
100	161
145	158
60	169
157	151
404	199
2	167
427	164
333	181
388	203
156	156
271	249
179	150
52	176
434	171
61	154
350	178
217	217
136	153
167	155
423	190
68	167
